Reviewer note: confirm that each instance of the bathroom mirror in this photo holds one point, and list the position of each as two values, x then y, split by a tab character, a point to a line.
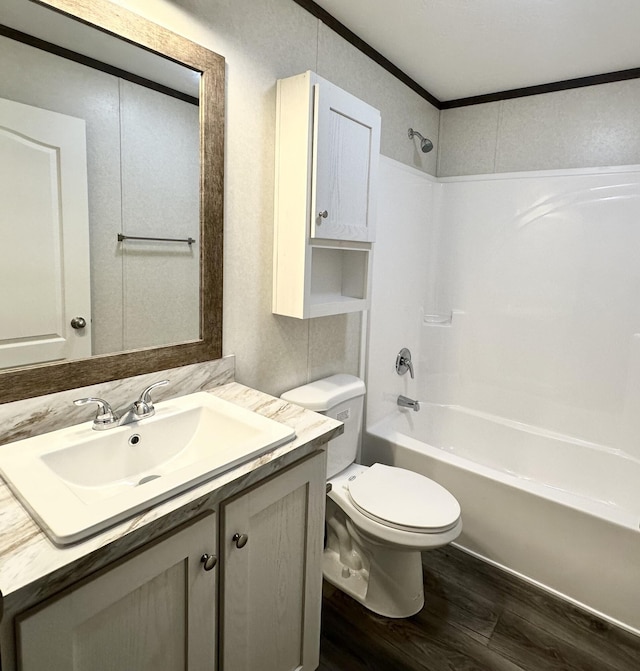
190	79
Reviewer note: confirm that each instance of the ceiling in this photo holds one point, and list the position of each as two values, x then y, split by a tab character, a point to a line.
462	48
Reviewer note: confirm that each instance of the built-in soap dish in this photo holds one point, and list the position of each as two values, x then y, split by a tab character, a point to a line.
438	318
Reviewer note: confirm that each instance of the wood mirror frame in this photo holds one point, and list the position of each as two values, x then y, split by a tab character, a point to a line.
20	383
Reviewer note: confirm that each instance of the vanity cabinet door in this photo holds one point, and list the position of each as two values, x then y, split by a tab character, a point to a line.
271	573
153	610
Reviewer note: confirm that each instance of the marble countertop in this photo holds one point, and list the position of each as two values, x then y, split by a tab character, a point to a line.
29	558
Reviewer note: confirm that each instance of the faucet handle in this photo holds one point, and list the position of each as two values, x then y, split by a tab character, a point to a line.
105	416
409	365
403	362
143	407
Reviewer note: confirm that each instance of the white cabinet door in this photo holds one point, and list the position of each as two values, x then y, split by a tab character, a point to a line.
346	146
271	587
43	218
154	610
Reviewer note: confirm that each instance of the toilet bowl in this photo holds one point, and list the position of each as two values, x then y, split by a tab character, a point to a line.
379	518
376	532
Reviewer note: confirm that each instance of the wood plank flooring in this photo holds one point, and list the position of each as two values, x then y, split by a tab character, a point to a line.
475	618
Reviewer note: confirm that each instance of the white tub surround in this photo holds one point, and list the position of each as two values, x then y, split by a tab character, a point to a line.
517	295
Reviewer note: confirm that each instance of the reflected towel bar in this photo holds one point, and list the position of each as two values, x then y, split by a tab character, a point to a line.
122	238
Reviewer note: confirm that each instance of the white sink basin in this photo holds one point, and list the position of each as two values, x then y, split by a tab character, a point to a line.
77	481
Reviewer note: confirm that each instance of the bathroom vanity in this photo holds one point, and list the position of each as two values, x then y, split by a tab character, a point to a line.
224	575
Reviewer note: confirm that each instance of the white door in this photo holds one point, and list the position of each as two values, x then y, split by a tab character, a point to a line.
346	151
44	236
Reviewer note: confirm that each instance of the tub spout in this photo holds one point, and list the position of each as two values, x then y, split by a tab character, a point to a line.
405	402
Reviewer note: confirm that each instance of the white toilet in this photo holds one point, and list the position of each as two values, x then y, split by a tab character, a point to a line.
379	518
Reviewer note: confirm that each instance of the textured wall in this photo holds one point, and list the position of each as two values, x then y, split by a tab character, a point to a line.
262	42
580	128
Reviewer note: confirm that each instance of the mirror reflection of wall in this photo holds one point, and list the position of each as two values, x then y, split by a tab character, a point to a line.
143	180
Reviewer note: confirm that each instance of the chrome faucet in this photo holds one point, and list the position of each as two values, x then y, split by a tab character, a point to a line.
105	418
403	362
405	402
140	409
143	407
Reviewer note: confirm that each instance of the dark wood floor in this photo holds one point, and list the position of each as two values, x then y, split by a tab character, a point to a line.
475	618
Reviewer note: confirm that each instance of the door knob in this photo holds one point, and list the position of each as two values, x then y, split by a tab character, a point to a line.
209	561
323	215
240	540
78	323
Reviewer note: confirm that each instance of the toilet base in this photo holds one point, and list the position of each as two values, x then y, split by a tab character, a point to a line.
389	582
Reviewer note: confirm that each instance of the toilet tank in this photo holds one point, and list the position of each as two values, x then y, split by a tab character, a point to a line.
340	397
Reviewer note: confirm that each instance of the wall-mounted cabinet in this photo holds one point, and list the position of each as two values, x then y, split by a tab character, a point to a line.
327	149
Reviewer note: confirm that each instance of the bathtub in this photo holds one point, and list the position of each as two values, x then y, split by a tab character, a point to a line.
559	512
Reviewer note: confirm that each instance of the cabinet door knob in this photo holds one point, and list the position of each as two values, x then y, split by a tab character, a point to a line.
209	561
240	540
323	215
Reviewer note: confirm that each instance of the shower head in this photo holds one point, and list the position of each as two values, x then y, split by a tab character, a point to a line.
425	143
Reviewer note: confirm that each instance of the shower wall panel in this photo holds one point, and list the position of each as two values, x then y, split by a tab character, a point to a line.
403	269
518	295
541	275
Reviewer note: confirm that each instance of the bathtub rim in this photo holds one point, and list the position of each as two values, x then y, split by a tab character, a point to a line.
611	600
625	519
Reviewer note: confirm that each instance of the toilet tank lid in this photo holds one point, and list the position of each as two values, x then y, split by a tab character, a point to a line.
325	394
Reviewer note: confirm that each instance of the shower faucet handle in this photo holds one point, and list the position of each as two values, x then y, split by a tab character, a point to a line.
403	362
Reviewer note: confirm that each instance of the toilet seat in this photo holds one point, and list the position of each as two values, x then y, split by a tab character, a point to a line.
404	500
378	531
